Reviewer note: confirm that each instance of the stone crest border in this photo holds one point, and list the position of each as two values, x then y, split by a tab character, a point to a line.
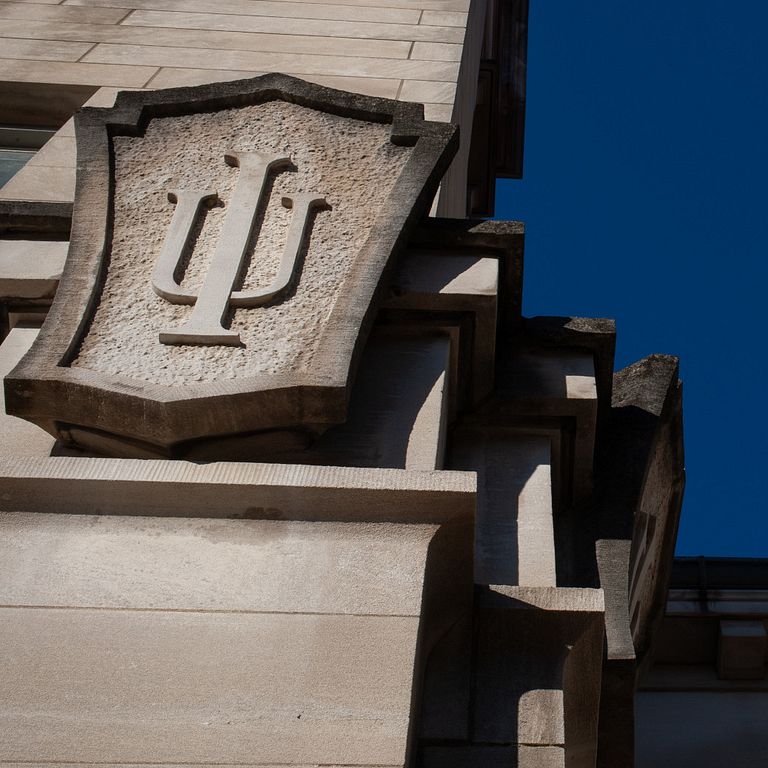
45	390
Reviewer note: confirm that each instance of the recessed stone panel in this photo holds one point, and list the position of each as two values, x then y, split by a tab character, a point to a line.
352	163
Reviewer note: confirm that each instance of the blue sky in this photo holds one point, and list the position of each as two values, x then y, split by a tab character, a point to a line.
644	197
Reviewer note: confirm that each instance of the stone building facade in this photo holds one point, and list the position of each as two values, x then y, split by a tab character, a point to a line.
286	477
704	700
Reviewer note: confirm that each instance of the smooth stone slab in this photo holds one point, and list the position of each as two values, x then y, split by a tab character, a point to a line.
515	541
538	675
20	438
235	565
454	282
558	382
41	182
144	686
398	411
30	269
233	490
190	641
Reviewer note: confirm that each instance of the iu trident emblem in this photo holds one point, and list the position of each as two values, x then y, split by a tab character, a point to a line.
217	294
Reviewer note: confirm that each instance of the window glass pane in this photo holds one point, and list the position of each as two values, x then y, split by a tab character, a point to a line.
12	161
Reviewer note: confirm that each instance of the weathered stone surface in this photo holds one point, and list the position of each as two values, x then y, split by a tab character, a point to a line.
352	163
642	479
212	565
376	162
640	484
146	640
232	490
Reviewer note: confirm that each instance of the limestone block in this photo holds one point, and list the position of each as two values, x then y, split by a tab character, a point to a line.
115	562
396	13
144	640
448	18
40	182
232	490
145	686
312	64
437	51
561	383
30	269
427	90
60	13
539	659
75	73
58	152
19	437
515	541
200	19
439	112
174	77
457	282
397	415
37	50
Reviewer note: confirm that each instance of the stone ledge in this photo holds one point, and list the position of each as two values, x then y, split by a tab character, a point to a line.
233	490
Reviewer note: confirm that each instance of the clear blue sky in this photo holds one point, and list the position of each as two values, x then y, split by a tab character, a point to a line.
645	197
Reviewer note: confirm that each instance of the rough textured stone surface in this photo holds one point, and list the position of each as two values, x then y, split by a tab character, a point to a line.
119	412
642	479
352	163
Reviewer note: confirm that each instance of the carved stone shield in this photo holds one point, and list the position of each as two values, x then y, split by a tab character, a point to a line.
229	243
